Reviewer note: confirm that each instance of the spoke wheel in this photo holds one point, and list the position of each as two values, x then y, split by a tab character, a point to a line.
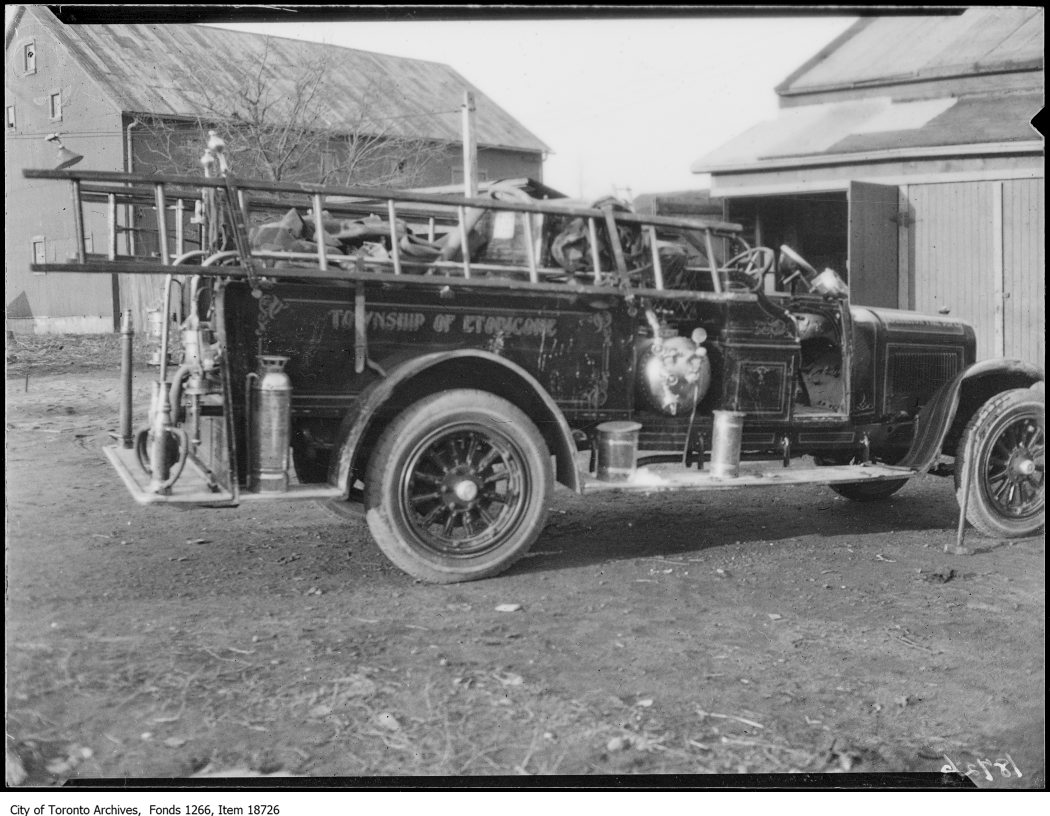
458	487
463	489
751	265
1007	442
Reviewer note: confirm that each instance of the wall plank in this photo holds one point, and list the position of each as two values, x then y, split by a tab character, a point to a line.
953	248
1024	262
952	237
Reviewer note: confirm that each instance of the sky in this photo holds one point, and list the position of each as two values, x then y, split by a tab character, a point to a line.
626	105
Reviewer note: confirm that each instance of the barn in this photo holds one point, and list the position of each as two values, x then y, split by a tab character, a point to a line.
105	88
904	157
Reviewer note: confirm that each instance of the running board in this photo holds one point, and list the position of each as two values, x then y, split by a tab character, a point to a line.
196	487
756	474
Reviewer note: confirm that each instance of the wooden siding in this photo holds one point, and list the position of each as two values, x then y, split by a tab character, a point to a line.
90	126
1024	265
977	249
952	254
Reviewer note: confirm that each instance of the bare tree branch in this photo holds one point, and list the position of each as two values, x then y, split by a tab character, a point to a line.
293	136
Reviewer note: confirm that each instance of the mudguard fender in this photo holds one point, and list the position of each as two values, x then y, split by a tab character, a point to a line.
358	420
939	414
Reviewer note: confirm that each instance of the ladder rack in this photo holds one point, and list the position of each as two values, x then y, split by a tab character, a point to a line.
223	209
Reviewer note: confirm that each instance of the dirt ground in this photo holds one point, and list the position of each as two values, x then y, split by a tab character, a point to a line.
756	631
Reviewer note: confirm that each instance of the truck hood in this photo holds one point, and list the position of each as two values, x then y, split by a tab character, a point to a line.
899	322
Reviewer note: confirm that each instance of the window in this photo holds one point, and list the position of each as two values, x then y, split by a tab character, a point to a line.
29	57
11	123
329	160
39	250
457	175
55	103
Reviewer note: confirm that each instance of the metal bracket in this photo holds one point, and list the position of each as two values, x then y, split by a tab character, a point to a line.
360	329
902	218
694	449
240	236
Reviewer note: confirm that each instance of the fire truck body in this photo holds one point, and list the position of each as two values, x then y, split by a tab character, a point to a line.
438	362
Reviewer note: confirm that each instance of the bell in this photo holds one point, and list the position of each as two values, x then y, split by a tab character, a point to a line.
67	158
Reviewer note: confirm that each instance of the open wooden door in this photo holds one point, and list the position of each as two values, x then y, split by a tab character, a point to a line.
873	270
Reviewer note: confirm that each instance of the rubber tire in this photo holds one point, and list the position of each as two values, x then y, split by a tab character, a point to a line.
869	491
863	491
982	432
387	521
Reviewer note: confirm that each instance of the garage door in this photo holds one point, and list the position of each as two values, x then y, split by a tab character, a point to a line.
977	250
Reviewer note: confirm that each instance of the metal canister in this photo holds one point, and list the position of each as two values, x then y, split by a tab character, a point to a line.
617	446
155	333
726	436
269	425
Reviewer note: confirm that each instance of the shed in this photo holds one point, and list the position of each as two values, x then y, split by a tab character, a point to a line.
903	156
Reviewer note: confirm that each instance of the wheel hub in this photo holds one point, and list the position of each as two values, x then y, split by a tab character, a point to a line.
1024	466
1021	463
465	490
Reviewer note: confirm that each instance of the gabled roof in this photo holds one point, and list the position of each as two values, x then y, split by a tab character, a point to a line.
828	132
890	50
883	52
143	69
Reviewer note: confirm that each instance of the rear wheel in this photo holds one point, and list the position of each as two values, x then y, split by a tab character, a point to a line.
1006	443
458	486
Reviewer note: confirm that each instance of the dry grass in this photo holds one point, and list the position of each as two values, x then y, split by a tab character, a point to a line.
356	722
37	355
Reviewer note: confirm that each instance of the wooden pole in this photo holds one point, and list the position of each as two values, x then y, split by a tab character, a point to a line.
162	223
319	233
78	221
470	176
127	334
470	147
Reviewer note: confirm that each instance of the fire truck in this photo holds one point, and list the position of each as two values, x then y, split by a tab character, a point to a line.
437	363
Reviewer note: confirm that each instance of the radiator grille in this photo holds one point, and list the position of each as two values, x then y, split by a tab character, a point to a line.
915	375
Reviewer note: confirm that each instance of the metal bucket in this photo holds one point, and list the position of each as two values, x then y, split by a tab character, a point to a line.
617	446
725	444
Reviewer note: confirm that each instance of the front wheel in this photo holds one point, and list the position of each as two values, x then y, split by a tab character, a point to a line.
1006	444
458	486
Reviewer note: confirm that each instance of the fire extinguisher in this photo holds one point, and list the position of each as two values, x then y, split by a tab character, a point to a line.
269	418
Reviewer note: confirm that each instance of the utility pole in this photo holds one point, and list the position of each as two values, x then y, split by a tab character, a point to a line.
470	147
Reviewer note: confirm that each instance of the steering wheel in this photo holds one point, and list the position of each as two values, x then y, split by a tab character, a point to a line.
756	262
793	263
